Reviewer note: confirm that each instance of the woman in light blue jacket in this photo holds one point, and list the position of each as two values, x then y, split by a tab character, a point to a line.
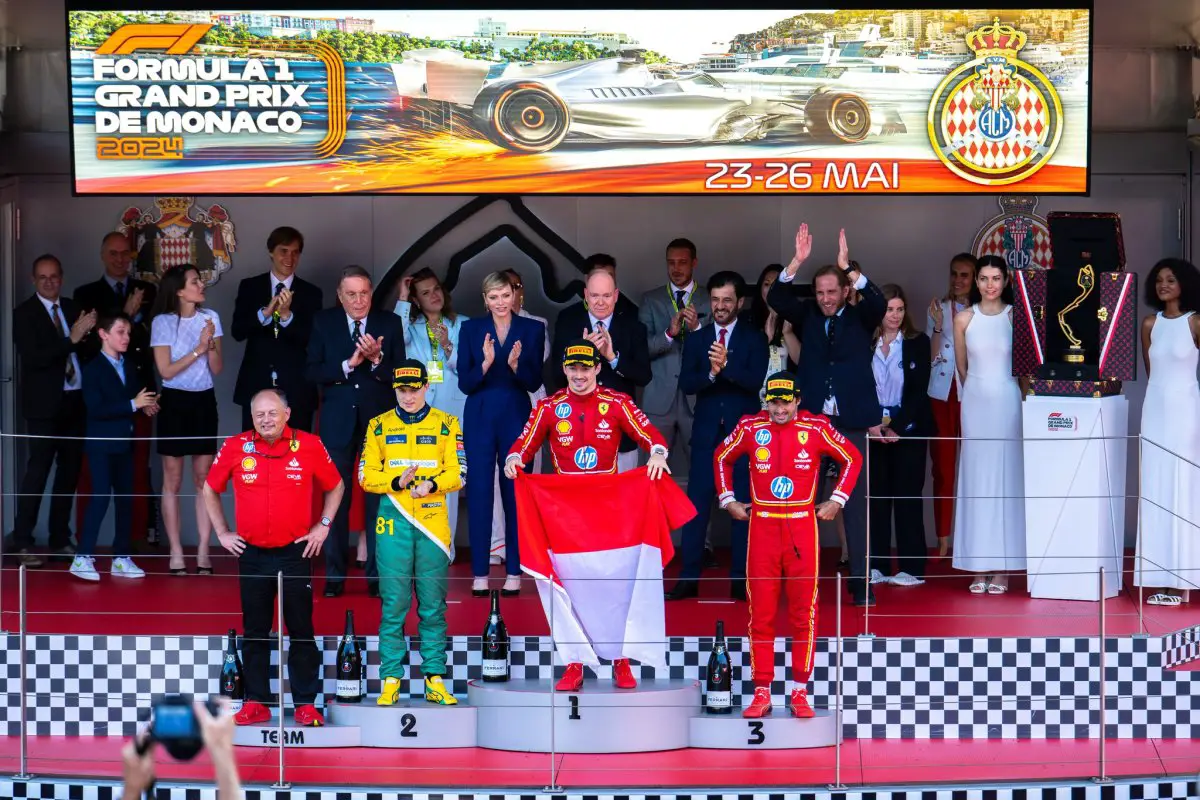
431	335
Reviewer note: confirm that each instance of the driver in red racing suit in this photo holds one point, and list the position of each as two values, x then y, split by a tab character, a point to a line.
785	450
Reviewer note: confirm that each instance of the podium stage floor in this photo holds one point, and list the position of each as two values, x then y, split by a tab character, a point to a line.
864	763
162	604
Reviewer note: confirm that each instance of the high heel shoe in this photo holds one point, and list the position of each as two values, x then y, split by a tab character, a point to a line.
479	587
512	586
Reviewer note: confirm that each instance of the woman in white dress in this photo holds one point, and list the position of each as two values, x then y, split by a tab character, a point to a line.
1169	518
989	513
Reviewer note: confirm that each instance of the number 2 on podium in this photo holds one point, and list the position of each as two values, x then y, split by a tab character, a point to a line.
574	707
756	733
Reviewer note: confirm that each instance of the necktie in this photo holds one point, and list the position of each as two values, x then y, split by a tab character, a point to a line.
58	323
278	289
120	291
354	336
679	304
721	336
599	326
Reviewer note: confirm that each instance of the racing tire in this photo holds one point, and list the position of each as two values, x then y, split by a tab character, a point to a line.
838	117
525	117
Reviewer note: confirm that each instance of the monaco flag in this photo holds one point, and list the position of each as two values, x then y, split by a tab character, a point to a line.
597	545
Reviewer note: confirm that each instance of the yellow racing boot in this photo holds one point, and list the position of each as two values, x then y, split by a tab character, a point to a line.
436	691
391	692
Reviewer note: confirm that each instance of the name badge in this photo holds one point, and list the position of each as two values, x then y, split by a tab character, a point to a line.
434	370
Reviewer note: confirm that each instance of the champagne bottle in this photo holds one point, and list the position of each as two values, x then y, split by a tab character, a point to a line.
349	665
233	685
495	644
718	685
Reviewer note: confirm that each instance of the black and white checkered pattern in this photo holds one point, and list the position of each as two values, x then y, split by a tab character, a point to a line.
1181	647
43	789
1028	688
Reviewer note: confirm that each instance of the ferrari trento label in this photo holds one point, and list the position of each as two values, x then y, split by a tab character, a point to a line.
566	101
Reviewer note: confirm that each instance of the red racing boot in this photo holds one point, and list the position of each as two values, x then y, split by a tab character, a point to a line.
799	705
572	679
252	713
760	706
623	675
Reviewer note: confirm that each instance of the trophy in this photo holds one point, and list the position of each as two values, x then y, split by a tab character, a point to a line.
1087	290
1086	280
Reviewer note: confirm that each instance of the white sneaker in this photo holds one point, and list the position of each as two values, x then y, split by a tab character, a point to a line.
879	577
904	579
85	567
125	568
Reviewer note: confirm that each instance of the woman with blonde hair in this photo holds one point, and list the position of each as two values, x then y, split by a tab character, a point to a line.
499	363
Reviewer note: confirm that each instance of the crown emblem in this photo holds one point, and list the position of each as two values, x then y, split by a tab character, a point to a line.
997	39
176	204
1013	205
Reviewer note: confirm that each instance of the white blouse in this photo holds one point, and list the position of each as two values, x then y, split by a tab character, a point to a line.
183	335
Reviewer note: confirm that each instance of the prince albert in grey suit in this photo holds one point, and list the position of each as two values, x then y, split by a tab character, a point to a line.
669	312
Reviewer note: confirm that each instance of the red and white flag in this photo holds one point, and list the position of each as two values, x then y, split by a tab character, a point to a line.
597	545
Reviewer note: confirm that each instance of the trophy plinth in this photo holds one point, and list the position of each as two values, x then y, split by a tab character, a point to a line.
1074	355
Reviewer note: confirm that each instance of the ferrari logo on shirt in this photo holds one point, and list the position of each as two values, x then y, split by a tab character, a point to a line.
803	437
604	408
294	445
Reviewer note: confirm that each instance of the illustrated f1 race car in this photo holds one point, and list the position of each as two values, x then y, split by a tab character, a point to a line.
534	107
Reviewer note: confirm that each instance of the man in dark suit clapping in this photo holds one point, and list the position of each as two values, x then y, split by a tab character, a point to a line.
273	315
47	331
620	339
724	365
351	353
835	375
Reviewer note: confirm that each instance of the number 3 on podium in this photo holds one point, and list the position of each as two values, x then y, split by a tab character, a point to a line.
756	733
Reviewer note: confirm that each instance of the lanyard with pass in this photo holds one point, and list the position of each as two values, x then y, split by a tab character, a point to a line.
433	367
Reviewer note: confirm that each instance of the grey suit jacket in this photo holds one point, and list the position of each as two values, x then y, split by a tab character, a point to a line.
655	311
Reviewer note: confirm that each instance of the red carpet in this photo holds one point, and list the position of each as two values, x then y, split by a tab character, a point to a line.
863	762
202	605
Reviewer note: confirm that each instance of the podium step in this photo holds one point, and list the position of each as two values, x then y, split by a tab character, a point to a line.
529	716
410	724
780	731
268	735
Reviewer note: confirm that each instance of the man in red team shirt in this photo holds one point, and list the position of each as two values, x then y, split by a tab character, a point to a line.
785	450
273	468
584	423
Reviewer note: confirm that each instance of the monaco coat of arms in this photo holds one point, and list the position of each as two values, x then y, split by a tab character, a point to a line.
176	231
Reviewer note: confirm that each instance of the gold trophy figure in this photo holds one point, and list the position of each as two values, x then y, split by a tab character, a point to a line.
1086	281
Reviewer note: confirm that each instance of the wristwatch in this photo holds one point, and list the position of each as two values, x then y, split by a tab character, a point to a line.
326	522
658	450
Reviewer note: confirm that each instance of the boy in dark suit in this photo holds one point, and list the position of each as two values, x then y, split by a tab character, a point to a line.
113	393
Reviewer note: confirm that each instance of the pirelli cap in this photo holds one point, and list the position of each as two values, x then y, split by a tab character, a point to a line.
409	375
582	352
781	386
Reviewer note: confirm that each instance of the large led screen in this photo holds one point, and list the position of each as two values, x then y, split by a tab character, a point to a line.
717	102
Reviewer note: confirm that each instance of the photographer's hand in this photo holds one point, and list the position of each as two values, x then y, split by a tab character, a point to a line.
217	733
138	756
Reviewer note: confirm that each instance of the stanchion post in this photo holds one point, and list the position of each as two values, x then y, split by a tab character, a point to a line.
23	773
553	787
867	591
1103	777
282	783
837	698
1137	553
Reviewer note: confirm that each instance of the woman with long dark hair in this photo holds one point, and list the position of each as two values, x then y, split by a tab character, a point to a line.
1169	514
989	515
897	445
945	392
783	343
186	339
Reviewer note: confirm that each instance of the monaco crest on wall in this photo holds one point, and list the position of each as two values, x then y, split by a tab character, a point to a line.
1016	234
176	231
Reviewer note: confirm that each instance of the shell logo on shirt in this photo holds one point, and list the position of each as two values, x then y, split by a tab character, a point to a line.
782	487
249	463
762	454
586	458
563	426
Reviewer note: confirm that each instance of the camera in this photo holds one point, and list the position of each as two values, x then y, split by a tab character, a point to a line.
174	725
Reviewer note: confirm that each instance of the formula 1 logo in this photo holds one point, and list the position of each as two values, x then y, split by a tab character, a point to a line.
782	487
762	436
562	410
586	458
1058	421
